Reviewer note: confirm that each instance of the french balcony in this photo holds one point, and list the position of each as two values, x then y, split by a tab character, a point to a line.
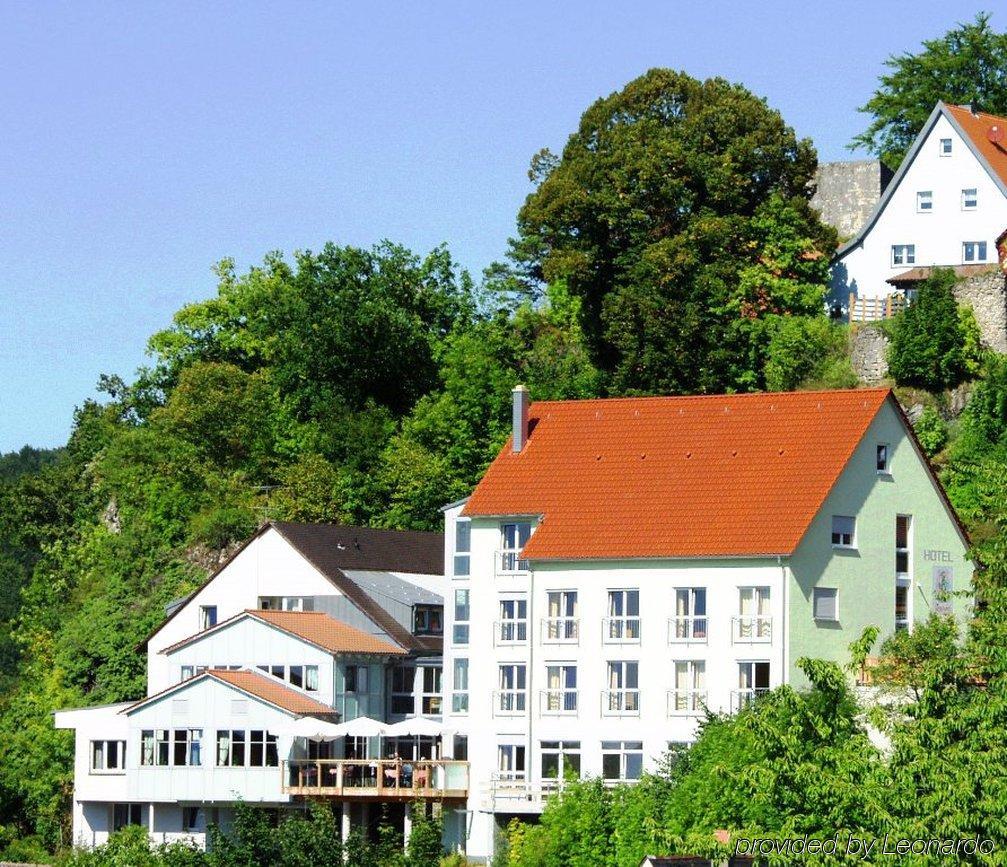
370	779
620	630
742	698
688	629
560	630
752	629
686	702
509	564
510	702
510	633
620	702
558	702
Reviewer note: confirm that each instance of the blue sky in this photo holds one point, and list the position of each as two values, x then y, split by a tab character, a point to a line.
142	142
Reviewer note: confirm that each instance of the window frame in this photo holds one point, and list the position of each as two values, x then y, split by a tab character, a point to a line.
924	201
945	151
981	250
460	690
624	628
818	591
428	619
462	556
692	619
974	197
267	744
625	750
106	769
207	617
461	625
841	545
512	624
511	561
511	700
903	255
566	752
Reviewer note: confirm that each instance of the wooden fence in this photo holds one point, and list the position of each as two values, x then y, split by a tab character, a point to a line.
873	309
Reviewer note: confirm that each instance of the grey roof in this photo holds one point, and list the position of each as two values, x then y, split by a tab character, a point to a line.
385	587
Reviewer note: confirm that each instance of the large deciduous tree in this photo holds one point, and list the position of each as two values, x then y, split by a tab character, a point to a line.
966	65
678	215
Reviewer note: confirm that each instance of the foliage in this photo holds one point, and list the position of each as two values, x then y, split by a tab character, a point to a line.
13	465
928	343
678	216
804	349
968	64
931	430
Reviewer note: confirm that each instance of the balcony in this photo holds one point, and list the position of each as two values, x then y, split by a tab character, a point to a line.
509	564
742	698
510	702
752	629
688	629
560	630
620	702
376	779
558	702
620	630
509	633
686	702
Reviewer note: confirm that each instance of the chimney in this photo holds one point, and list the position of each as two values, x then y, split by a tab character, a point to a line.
519	420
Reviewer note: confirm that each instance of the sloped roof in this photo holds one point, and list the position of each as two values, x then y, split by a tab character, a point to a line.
729	475
251	683
975	127
923	272
315	627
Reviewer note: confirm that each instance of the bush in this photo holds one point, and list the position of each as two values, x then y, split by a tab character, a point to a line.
804	348
931	431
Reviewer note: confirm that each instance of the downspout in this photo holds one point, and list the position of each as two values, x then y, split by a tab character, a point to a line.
531	676
786	622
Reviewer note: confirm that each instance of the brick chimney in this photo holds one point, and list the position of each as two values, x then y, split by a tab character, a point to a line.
519	418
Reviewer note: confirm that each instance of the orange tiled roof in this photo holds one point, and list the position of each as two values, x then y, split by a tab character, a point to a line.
327	632
271	690
729	475
976	127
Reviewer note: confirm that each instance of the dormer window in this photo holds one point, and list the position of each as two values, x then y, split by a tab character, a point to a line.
945	150
428	620
970	199
207	616
924	201
883	458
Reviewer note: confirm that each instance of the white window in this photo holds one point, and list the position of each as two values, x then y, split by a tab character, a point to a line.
513	538
561	623
403	686
511	762
825	604
623	621
460	686
252	748
623	694
460	629
191	818
903	254
753	681
924	201
754	622
883	460
689	694
903	569
463	547
311	678
974	251
188	671
430	698
126	814
560	694
513	624
428	620
560	762
512	696
844	531
970	198
207	616
689	622
621	760
945	149
177	747
287	603
108	756
300	676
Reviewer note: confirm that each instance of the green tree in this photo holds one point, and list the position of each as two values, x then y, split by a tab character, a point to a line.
678	216
968	64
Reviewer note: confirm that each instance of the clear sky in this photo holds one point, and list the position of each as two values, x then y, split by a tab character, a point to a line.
142	142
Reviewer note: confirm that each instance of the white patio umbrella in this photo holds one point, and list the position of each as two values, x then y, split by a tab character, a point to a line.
314	729
361	727
417	725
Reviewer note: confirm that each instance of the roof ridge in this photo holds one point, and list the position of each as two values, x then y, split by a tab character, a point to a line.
697	397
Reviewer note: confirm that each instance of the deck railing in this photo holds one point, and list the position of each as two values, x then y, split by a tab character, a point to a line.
376	778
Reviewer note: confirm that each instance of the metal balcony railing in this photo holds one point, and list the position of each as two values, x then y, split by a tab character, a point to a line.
510	702
687	629
752	629
742	698
620	630
620	702
686	702
558	702
560	630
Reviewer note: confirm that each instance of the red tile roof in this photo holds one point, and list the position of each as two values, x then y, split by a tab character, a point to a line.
729	475
976	127
316	627
923	272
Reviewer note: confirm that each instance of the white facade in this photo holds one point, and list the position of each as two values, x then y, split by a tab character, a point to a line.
943	197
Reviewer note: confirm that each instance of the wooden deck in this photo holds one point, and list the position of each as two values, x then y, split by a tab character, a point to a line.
376	779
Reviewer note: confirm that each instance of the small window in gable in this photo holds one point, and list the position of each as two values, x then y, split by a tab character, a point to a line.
925	201
884	458
945	147
207	616
970	199
825	604
843	531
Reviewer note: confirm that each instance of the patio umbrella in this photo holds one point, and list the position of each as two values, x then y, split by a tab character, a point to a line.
314	729
417	725
361	727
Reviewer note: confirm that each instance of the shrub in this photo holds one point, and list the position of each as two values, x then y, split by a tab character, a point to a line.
931	431
805	347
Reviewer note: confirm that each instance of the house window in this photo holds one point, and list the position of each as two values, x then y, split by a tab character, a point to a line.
155	747
843	531
754	622
286	603
903	564
623	621
460	630
188	671
108	756
883	458
753	681
191	818
207	616
924	201
560	694
974	251
176	747
461	748
311	678
300	676
431	696
355	678
689	622
561	616
825	604
970	198
513	625
403	683
511	762
903	254
513	538
560	762
296	675
186	747
689	694
621	760
460	686
512	696
463	547
240	748
623	693
428	620
126	814
945	149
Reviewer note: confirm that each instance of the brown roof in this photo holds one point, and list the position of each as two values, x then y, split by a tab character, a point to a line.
923	272
728	475
252	683
977	127
316	627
